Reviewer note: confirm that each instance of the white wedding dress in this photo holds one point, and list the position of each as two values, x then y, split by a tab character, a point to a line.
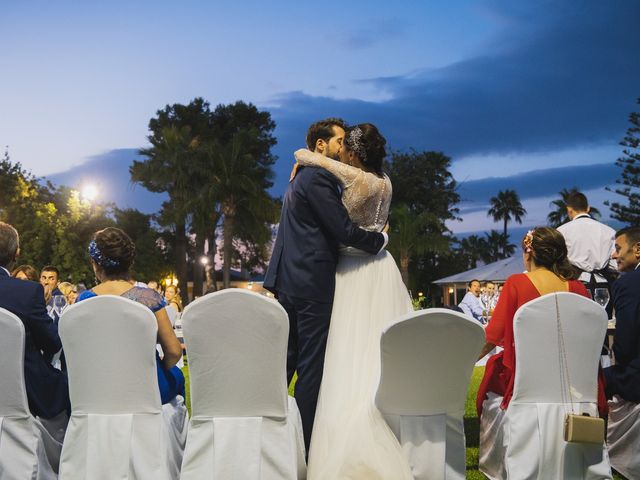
351	439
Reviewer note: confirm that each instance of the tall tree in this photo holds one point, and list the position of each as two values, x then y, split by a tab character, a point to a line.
629	180
506	206
168	168
238	184
498	246
424	191
407	237
474	248
558	214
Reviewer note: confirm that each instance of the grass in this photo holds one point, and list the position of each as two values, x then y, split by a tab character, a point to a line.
471	422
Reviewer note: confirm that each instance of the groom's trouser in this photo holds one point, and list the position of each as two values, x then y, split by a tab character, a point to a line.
308	330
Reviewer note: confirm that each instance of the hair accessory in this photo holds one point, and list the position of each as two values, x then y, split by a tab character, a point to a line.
98	256
528	241
354	142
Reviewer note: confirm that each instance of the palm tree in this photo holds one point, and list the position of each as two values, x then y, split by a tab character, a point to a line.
236	185
558	214
506	206
475	248
498	247
168	168
409	239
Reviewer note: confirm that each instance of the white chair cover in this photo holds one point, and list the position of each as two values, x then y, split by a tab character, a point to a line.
525	441
623	437
116	428
27	451
243	424
427	360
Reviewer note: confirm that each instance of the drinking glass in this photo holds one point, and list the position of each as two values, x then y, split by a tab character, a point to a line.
601	296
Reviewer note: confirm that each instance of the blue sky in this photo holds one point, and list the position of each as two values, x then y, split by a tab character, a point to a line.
526	95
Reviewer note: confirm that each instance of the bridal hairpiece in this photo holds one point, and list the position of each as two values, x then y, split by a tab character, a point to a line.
528	241
99	257
354	142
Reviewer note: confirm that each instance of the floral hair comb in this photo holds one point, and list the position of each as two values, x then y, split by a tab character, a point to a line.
528	241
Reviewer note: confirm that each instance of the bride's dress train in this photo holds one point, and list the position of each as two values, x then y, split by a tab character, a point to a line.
351	439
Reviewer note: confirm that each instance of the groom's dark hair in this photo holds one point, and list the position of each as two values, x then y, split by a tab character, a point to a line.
323	130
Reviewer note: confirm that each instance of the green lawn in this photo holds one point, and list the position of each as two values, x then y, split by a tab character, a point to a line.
471	423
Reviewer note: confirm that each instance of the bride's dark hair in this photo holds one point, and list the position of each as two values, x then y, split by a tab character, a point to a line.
366	142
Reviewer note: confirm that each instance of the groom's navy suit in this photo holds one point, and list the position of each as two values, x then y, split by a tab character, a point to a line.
47	388
313	224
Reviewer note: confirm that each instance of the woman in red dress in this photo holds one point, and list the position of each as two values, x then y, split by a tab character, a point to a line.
548	271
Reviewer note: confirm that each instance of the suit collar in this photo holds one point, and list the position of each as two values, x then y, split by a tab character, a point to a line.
4	272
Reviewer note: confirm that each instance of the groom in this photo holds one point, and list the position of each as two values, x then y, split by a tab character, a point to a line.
302	270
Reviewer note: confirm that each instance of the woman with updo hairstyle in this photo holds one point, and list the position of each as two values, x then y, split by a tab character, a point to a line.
548	270
350	436
112	253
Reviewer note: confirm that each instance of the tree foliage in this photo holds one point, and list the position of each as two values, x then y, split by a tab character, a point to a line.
424	199
216	167
506	206
629	181
56	225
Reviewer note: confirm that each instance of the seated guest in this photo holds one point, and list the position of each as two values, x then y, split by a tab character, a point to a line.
548	271
172	296
623	378
50	278
112	253
470	304
47	388
25	272
70	292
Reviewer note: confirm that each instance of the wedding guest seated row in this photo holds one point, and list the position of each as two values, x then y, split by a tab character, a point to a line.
112	253
47	388
547	270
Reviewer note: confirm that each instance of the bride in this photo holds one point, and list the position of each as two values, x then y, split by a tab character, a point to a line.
351	439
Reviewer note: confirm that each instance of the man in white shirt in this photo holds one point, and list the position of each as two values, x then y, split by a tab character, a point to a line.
589	242
470	304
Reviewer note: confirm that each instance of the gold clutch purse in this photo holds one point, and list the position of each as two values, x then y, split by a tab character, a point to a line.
577	428
583	429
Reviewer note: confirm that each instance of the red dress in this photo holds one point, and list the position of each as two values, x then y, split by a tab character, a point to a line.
500	370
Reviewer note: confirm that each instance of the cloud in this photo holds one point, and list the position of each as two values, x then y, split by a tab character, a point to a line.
475	194
372	34
558	78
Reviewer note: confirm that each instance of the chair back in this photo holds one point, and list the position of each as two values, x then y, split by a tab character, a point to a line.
537	348
109	343
13	394
427	358
236	344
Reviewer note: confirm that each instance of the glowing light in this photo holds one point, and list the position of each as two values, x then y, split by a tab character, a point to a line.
204	260
420	294
450	289
89	192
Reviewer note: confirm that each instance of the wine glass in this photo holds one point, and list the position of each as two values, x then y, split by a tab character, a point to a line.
601	296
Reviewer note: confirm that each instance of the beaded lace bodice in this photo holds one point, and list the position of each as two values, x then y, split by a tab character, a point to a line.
365	195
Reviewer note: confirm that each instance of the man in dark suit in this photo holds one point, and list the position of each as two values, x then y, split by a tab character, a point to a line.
313	224
47	388
623	378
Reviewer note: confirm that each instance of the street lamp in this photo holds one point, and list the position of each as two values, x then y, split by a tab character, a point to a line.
89	192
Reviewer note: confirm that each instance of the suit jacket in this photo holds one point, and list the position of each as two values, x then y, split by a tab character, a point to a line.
625	374
313	224
47	388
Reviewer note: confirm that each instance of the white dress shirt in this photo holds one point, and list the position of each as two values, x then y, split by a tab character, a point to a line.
589	244
470	305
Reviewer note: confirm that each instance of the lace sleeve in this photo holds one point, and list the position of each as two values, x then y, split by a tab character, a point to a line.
346	174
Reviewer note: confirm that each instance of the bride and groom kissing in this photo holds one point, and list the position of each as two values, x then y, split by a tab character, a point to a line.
340	288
